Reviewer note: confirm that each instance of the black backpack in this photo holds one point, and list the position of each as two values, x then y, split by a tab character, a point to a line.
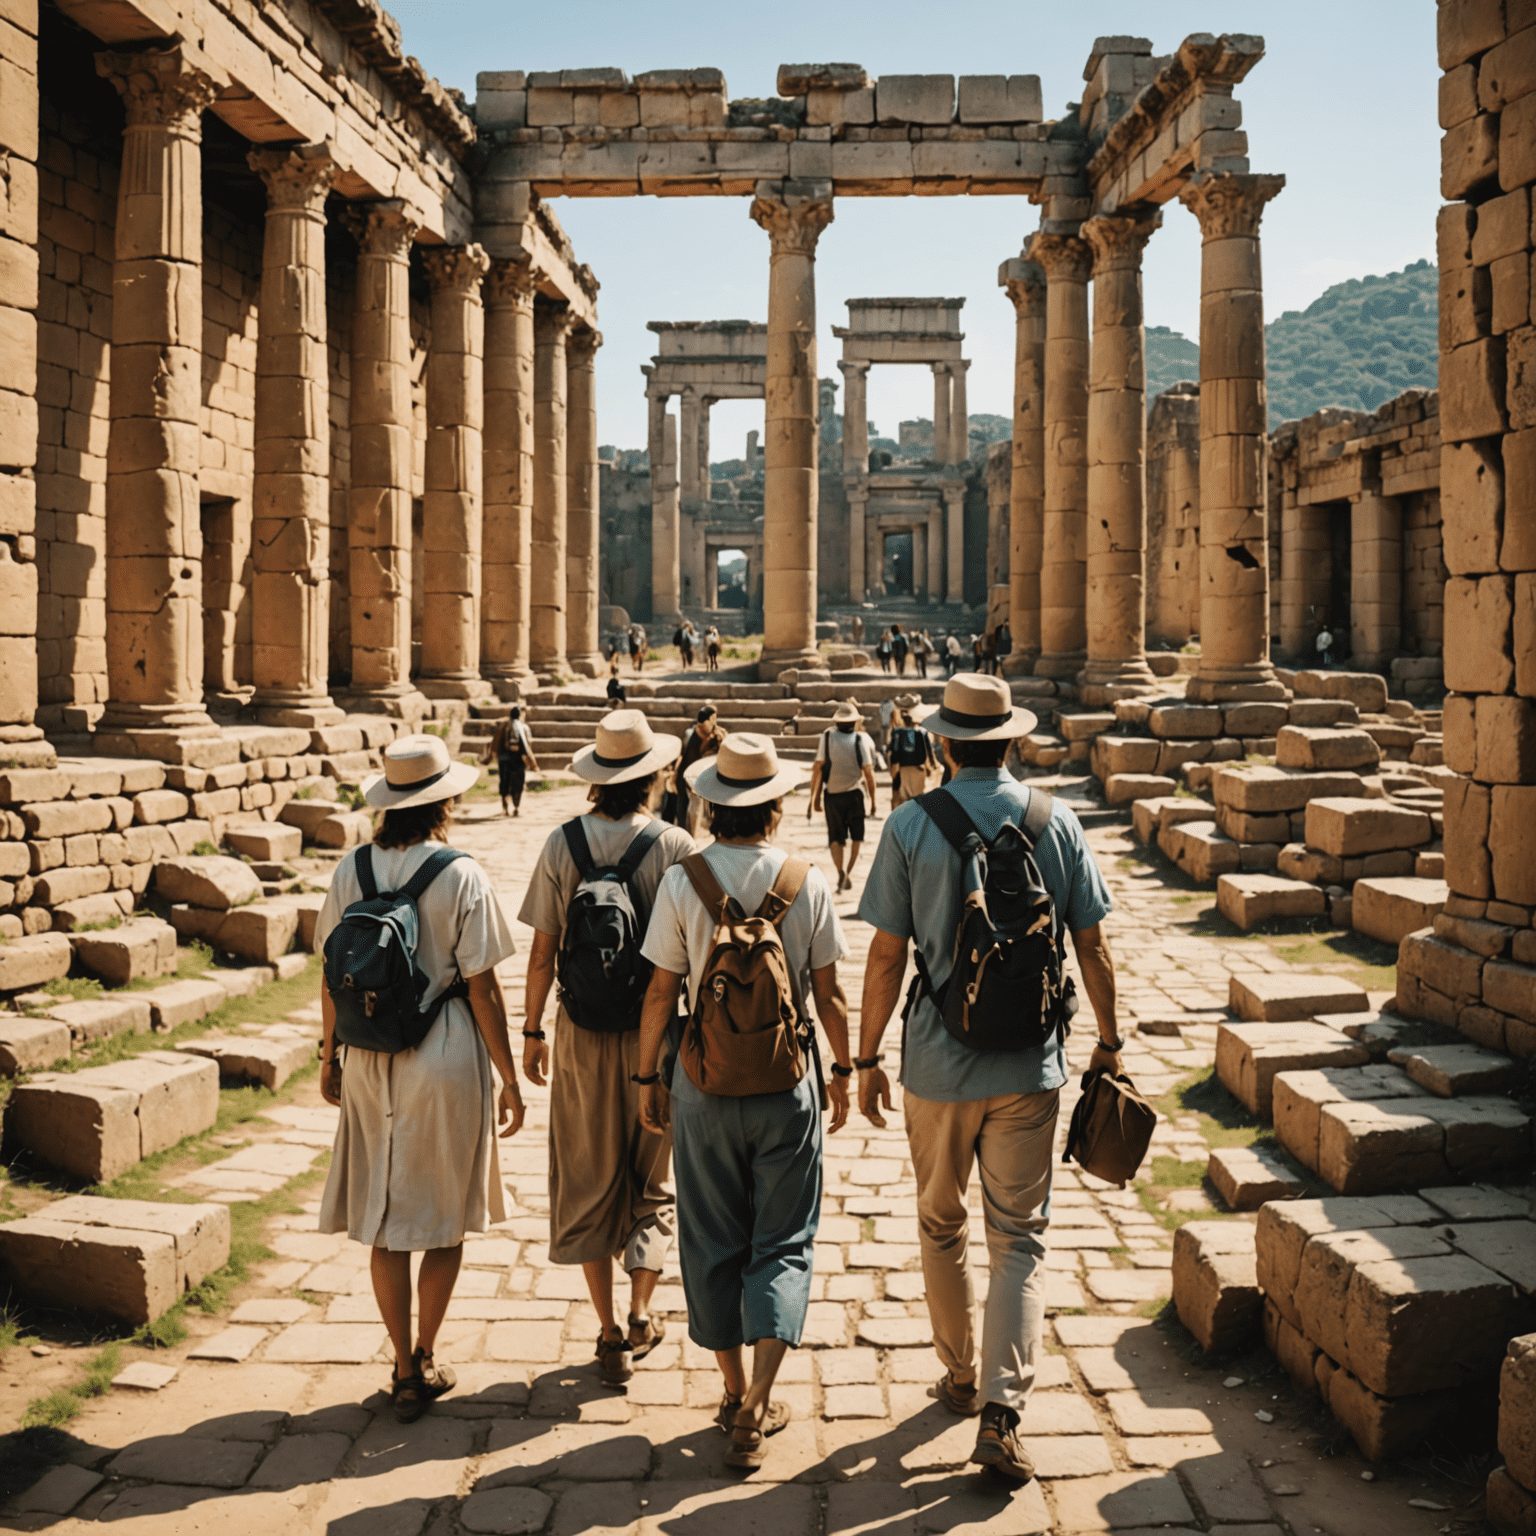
907	747
1007	988
370	962
602	974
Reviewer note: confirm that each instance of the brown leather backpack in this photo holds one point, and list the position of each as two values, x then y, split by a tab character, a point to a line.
745	1035
1111	1128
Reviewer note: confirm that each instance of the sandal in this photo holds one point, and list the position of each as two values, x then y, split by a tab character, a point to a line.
407	1396
749	1444
436	1379
959	1397
651	1330
615	1360
725	1416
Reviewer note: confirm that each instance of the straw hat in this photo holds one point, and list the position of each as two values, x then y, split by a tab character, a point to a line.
746	771
626	748
906	701
978	708
417	771
847	714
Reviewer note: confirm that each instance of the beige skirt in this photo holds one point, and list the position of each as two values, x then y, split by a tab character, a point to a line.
414	1164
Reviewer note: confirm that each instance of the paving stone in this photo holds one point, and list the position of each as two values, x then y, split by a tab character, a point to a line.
1169	1450
1245	1177
895	1333
1158	1411
58	1490
866	1506
1288	996
228	1344
586	1509
1058	1413
1120	1500
1506	1247
1129	1284
275	1309
302	1460
525	1452
145	1376
967	1505
1069	1455
1225	1487
855	1402
1098	1332
847	1367
327	1343
506	1511
189	1460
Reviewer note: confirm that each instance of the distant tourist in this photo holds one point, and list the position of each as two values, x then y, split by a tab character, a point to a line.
702	739
922	647
899	647
512	747
952	653
911	752
1004	643
683	639
712	648
1325	646
857	629
618	695
637	643
883	650
843	771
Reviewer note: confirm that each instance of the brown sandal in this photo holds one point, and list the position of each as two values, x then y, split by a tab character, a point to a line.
725	1415
615	1360
407	1396
651	1330
959	1397
435	1379
749	1442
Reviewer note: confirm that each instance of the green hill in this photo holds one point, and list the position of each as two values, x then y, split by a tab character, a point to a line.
1358	345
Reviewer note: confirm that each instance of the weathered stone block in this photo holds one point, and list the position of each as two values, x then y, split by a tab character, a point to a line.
1509	1506
269	1062
1295	1352
145	947
1244	827
345	830
1247	1177
1124	788
1511	989
1385	1428
1249	900
30	1045
1000	99
261	932
1215	1283
1451	1071
1517	1410
915	99
210	880
97	1018
1298	862
1258	789
1352	828
1200	850
1250	1056
1185	721
1512	842
272	843
1260	997
1319	747
157	805
1391	909
179	1002
1367	1148
30	962
1123	754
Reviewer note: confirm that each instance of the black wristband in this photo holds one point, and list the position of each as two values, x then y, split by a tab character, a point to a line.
533	1034
645	1081
838	1071
867	1063
1114	1049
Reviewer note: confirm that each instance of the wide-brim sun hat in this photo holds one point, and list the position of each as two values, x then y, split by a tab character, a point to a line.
846	714
626	748
745	771
977	707
418	770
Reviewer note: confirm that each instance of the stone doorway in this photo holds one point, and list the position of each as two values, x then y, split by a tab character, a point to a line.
896	566
732	578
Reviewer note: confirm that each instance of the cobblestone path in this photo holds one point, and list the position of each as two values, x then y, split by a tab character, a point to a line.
275	1422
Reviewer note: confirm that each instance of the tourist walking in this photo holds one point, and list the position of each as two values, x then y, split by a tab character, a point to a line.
683	640
857	628
911	753
844	770
618	695
1004	646
921	646
745	1081
712	648
637	643
995	1108
702	739
899	647
512	747
883	650
588	903
414	1163
952	653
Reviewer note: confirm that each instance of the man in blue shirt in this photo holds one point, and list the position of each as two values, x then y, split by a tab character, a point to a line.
963	1106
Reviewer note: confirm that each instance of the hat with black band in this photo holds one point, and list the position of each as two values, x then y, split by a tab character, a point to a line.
977	707
746	771
626	748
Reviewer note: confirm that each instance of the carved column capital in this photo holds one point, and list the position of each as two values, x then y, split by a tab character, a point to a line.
940	369
1024	283
958	367
1117	240
854	368
584	343
297	178
168	88
1064	258
1229	204
510	283
553	322
456	269
383	228
794	213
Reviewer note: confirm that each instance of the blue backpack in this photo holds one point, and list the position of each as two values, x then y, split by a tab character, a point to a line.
370	962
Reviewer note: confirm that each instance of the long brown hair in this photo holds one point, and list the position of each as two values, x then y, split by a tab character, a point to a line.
415	824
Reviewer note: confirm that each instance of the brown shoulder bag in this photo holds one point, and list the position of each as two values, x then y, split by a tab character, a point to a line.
744	1035
1111	1128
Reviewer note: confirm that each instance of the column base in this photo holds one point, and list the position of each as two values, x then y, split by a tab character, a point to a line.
1020	663
192	746
1060	664
300	711
154	717
407	704
511	686
1236	686
771	663
454	687
1102	682
588	666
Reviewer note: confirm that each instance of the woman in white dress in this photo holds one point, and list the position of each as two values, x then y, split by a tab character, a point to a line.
414	1166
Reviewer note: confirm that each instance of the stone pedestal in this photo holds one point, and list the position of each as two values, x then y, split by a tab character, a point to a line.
794	213
154	533
1234	549
507	538
581	581
454	478
954	523
666	530
1063	558
1025	284
291	524
551	330
379	502
1117	464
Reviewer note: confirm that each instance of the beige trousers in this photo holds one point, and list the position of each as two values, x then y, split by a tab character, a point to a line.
1011	1138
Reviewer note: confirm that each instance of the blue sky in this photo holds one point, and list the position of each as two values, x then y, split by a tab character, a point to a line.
1343	104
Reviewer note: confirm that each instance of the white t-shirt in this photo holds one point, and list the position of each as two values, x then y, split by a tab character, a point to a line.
952	645
846	755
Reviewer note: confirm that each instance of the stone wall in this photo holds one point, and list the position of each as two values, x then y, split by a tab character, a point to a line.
624	572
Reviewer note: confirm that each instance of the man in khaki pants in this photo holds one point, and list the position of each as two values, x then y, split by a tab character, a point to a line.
963	1106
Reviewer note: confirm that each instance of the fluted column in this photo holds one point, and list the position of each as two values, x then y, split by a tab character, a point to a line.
507	529
1234	543
581	579
666	576
154	543
933	564
858	582
551	330
959	413
954	522
291	520
1063	558
943	444
1025	285
452	502
1117	462
855	417
379	503
794	213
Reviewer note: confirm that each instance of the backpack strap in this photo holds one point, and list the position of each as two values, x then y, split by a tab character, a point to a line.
639	845
781	896
706	886
581	852
431	868
363	864
1038	814
950	817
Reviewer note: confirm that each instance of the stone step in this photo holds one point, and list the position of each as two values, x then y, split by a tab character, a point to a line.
1250	1056
1455	1071
1261	996
129	1259
1215	1283
1248	1177
1300	1095
266	1060
1247	901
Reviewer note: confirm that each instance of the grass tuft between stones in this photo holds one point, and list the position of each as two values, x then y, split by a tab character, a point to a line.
62	1404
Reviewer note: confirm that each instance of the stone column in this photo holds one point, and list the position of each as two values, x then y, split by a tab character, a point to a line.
379	503
581	582
922	571
666	580
942	437
1234	553
1117	463
690	410
705	483
954	521
858	581
855	418
874	559
1376	582
508	444
1025	284
1306	564
959	414
154	539
935	560
1063	554
451	536
291	519
794	213
546	616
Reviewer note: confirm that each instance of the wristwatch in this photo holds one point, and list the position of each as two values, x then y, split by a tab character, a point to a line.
1115	1048
838	1071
